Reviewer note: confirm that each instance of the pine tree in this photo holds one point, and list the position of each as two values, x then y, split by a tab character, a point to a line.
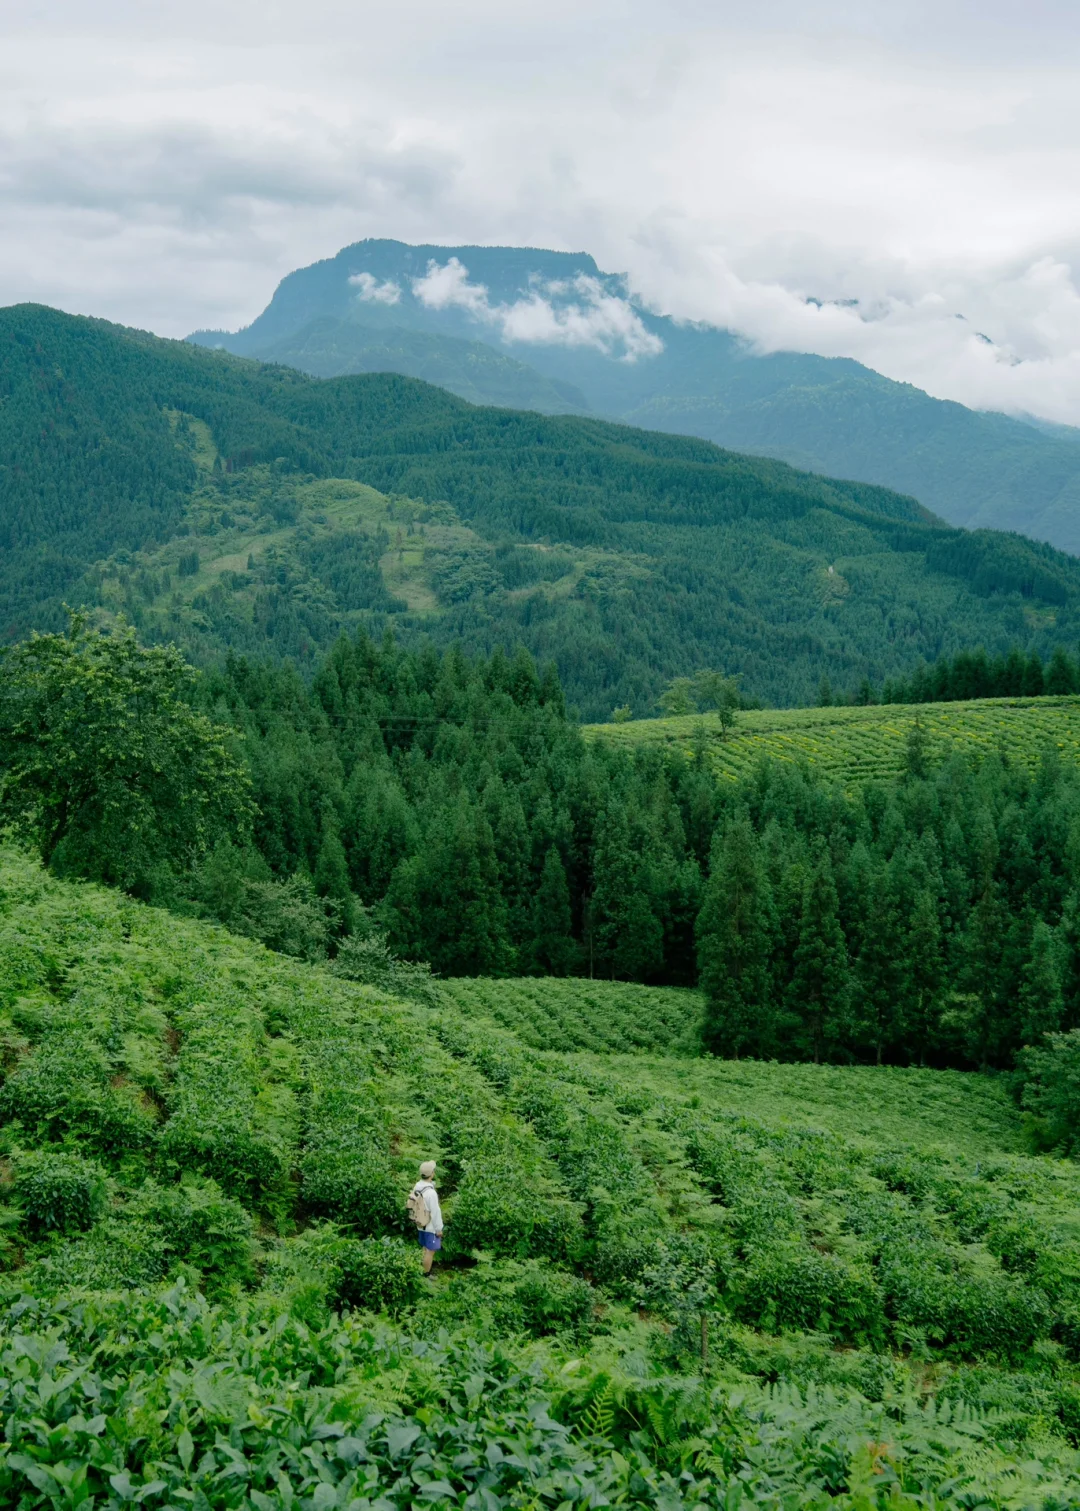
628	937
927	973
444	903
734	945
332	872
1041	1006
820	985
554	949
883	977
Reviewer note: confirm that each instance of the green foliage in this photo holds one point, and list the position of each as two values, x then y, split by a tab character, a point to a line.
674	556
616	1016
859	744
1051	1090
58	1191
827	1222
368	959
377	1274
107	769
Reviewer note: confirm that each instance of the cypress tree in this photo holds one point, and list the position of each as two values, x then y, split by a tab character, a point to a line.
821	982
332	872
1041	1006
883	975
734	945
554	949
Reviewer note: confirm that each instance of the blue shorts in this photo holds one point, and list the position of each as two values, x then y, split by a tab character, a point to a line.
428	1240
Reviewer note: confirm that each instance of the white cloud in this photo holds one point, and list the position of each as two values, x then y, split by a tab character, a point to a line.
370	291
160	167
448	287
575	312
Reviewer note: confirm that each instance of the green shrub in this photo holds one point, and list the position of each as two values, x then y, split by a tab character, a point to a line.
349	1181
378	1274
786	1287
502	1209
58	1192
1051	1092
551	1301
244	1163
52	1097
196	1223
981	1312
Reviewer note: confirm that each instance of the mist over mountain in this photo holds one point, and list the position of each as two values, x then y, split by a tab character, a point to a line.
528	328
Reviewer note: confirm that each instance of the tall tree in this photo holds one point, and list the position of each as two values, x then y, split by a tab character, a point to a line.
821	984
1041	1006
554	949
107	768
734	945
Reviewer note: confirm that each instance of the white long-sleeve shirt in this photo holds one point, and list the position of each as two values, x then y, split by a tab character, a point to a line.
431	1196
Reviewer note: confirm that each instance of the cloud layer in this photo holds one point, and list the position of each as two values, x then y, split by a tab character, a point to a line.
564	312
899	183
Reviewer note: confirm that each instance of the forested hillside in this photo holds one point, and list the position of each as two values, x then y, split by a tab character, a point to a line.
230	505
645	1297
369	305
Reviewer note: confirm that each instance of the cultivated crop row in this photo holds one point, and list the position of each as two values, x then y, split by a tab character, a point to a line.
574	1014
858	744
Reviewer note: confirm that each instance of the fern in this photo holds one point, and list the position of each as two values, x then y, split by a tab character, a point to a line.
598	1418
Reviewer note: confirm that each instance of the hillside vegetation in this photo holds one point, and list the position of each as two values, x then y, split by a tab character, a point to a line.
225	504
827	414
863	743
184	1110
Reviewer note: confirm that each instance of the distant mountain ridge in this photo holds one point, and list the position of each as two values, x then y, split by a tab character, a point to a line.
525	327
231	505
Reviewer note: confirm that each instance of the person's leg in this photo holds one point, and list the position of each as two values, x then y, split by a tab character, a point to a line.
428	1256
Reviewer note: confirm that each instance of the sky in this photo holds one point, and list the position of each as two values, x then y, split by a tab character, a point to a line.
896	182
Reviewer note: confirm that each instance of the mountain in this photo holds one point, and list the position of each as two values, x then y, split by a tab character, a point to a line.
229	504
573	324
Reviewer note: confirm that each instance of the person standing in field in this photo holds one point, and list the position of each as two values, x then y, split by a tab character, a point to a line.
423	1207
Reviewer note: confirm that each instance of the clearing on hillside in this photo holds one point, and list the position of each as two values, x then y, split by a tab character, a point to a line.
570	1014
857	744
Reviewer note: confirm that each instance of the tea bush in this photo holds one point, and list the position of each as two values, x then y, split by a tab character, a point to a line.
377	1274
58	1192
599	1209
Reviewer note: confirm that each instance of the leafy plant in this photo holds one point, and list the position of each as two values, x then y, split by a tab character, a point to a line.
58	1191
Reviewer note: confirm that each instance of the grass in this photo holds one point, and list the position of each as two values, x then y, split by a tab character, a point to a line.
854	744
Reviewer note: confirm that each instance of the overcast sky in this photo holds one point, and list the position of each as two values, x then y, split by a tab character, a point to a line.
165	165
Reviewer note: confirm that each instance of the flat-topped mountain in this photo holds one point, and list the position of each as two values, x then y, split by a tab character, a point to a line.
524	327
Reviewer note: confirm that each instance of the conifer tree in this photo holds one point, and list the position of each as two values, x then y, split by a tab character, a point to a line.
927	973
883	976
554	949
1041	1004
734	945
820	986
332	872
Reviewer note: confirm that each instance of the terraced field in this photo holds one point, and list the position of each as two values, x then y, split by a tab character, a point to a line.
570	1015
857	744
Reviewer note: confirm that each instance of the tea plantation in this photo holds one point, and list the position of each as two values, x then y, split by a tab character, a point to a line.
859	744
667	1281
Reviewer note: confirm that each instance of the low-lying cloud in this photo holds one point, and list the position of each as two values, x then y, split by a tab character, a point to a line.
560	312
370	291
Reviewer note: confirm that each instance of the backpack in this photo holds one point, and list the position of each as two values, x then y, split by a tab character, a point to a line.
416	1205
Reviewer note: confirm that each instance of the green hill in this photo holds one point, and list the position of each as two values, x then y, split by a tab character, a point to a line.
827	414
230	505
856	744
886	1286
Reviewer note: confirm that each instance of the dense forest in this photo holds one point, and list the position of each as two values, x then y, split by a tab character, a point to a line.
428	807
192	490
